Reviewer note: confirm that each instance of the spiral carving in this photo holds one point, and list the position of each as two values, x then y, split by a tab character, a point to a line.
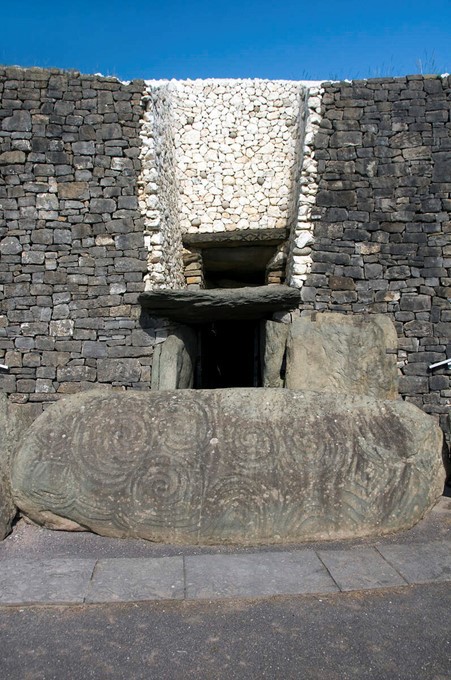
167	493
254	443
181	422
200	467
110	442
235	504
51	484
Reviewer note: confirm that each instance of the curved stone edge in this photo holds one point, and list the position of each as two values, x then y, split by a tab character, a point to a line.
15	420
8	507
50	520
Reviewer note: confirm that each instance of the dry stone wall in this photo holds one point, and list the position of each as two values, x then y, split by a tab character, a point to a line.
71	235
382	236
218	156
300	256
235	143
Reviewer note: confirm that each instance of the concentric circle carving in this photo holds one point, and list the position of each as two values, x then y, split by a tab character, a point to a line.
181	425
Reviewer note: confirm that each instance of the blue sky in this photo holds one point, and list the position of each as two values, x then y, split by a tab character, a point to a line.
249	39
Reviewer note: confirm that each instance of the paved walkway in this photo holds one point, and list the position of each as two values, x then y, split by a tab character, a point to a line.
71	574
78	581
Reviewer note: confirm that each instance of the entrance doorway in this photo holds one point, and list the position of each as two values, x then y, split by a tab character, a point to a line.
229	355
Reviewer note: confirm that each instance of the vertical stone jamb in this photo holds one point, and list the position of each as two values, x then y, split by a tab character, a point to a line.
299	258
158	191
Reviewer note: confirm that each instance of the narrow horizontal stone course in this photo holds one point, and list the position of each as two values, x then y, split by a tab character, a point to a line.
222	576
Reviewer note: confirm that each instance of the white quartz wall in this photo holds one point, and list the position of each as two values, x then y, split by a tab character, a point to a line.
235	149
159	191
226	155
301	239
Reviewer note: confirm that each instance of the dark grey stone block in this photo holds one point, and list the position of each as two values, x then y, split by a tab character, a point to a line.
260	574
12	157
420	562
103	205
360	569
336	199
20	121
83	148
94	349
415	303
40	581
10	246
135	579
75	373
118	370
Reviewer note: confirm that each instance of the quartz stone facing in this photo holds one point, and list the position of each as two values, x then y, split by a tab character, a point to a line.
158	191
71	235
223	156
300	251
382	235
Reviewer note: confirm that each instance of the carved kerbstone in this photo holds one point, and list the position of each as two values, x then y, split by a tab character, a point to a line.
7	505
15	419
239	465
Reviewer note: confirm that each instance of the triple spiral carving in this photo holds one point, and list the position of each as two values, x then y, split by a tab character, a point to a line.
181	466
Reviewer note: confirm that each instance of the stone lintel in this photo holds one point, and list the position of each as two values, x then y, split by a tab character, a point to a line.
235	238
220	303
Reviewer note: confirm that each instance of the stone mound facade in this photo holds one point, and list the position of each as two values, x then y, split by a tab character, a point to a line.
110	188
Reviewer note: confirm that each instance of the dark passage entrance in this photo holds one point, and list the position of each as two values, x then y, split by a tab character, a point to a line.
229	355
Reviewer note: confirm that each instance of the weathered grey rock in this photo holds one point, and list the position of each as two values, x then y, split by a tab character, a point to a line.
12	157
10	246
220	303
274	344
267	236
7	505
20	120
238	465
118	370
15	419
73	190
173	364
347	354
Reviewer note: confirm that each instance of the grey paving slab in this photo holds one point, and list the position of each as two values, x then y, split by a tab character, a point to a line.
420	562
360	568
54	581
135	579
256	575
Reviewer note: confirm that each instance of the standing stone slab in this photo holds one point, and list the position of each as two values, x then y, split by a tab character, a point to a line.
7	505
348	354
174	359
240	465
275	336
